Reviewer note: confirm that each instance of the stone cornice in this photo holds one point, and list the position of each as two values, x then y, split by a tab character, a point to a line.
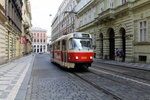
141	43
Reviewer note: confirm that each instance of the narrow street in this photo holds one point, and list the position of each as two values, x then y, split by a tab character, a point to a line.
74	49
50	82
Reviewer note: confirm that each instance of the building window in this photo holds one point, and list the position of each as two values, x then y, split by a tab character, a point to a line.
142	58
34	40
111	3
123	2
142	31
37	40
102	7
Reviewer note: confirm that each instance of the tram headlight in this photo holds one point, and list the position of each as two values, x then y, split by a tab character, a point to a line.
91	57
76	57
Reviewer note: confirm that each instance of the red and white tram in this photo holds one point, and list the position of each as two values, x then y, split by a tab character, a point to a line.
73	50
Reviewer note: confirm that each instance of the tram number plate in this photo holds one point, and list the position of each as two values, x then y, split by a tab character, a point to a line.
83	57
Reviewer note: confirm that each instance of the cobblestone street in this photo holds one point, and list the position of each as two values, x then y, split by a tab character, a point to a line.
49	82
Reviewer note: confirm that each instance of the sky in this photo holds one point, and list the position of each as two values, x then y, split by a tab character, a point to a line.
41	9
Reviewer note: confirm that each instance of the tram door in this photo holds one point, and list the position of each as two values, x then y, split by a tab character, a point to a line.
64	50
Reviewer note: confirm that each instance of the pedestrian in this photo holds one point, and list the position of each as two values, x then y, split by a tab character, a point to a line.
121	54
117	54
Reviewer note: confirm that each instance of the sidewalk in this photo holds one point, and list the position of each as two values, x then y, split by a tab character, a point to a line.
126	64
12	75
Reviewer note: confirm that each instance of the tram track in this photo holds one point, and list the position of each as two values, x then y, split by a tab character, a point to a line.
130	81
128	71
104	90
124	86
124	75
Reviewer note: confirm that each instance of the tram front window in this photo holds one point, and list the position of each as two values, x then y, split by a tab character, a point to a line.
80	44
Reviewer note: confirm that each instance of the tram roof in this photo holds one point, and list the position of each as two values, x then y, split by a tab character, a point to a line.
67	35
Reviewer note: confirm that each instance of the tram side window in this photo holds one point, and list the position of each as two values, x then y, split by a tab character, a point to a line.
55	47
58	45
70	44
64	44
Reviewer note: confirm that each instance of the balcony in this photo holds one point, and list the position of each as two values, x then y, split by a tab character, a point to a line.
26	25
111	13
106	15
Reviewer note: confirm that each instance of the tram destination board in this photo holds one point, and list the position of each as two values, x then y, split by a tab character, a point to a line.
82	35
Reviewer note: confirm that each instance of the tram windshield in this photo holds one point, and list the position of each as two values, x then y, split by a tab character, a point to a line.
80	44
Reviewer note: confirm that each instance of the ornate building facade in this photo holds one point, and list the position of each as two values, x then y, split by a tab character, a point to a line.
13	17
122	24
39	43
13	26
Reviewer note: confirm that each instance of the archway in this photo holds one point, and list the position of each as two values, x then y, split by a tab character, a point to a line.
41	48
123	33
101	45
111	44
34	48
38	49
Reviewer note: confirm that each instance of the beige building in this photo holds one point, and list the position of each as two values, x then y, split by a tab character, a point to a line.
13	27
26	28
3	19
12	15
63	22
123	24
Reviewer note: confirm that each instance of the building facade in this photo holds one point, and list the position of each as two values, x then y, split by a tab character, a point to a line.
13	27
26	36
14	14
3	19
64	21
123	24
39	43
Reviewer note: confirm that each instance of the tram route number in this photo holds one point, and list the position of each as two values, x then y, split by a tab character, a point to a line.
83	57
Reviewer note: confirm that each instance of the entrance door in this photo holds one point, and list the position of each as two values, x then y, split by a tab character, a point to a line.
123	32
64	50
111	45
101	45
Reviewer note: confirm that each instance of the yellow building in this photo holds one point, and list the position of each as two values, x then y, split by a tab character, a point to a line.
122	24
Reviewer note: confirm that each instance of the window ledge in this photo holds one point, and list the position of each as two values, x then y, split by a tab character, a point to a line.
141	43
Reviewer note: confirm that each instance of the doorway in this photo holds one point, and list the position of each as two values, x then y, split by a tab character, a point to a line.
123	33
101	45
111	44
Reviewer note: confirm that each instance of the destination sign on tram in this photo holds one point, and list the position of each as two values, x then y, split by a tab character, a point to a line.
81	35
